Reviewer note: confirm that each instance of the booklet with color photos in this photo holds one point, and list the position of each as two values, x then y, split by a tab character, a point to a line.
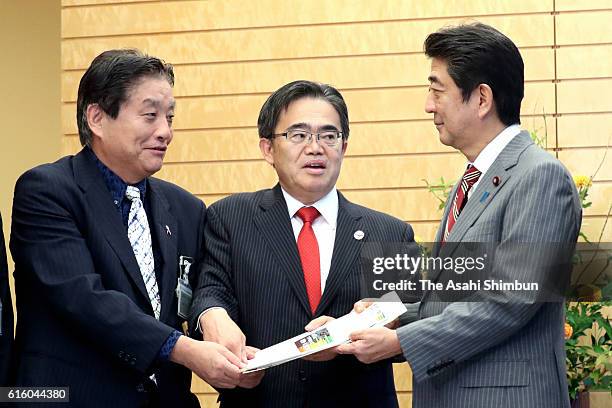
336	332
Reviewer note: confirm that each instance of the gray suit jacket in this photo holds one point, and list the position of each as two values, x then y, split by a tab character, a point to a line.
506	350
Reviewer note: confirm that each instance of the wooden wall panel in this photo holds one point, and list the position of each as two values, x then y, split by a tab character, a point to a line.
365	105
592	27
588	95
72	3
595	227
357	173
403	377
371	71
315	41
571	61
568	5
585	161
366	139
594	128
229	55
232	14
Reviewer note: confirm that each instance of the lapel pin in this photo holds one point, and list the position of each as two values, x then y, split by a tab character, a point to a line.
484	196
496	181
168	231
358	235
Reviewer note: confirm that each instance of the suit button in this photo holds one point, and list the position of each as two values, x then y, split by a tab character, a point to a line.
133	361
302	375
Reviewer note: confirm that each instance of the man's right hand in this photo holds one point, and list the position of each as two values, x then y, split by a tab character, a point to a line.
212	362
219	328
363	304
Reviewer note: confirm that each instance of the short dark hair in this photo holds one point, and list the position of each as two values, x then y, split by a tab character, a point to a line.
108	80
479	54
282	97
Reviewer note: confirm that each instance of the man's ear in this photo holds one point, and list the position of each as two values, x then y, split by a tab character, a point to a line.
267	150
486	104
344	146
95	116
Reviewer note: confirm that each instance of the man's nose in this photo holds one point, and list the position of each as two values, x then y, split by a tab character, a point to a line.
314	145
164	131
430	107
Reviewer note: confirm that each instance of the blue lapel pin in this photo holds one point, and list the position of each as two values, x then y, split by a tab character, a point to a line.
485	195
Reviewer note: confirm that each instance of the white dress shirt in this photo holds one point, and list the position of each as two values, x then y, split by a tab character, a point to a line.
324	227
489	154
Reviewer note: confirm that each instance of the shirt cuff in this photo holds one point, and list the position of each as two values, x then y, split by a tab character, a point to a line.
166	349
198	327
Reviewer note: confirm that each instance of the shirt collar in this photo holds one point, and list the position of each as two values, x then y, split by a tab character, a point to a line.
115	184
327	206
488	155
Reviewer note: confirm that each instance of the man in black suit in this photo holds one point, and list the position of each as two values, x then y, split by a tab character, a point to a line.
278	258
6	314
97	244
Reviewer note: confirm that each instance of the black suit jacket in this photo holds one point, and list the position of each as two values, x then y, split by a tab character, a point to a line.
85	320
252	269
6	318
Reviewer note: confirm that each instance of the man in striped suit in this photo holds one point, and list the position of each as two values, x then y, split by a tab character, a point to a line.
277	258
506	350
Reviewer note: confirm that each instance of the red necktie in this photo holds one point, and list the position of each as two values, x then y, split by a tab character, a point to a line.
308	248
470	177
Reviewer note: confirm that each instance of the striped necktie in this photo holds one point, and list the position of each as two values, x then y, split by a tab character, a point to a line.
470	177
139	235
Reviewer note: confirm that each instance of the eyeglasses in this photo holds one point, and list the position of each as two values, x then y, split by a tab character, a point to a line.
298	136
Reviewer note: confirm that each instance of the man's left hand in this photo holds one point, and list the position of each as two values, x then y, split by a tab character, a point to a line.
372	345
251	380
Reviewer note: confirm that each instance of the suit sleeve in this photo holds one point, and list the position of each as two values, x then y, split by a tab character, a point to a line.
214	287
53	258
542	210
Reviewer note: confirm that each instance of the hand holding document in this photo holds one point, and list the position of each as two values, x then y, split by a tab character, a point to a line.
336	332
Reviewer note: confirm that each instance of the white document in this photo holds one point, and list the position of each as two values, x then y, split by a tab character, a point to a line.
383	311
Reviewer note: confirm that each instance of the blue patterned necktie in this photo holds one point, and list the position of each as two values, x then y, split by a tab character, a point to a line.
139	235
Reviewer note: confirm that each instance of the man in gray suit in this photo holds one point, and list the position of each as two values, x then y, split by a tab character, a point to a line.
508	348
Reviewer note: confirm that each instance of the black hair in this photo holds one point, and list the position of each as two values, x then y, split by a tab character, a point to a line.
108	80
282	97
479	54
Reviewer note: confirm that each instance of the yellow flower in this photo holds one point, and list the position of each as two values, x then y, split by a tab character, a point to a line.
582	182
568	331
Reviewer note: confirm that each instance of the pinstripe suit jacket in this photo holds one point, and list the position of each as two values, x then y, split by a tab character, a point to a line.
85	319
509	353
252	269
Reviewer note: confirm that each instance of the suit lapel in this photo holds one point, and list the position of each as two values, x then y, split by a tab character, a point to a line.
346	252
442	225
164	226
108	219
486	191
274	224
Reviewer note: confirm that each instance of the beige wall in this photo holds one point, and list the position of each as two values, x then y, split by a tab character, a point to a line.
230	54
30	97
